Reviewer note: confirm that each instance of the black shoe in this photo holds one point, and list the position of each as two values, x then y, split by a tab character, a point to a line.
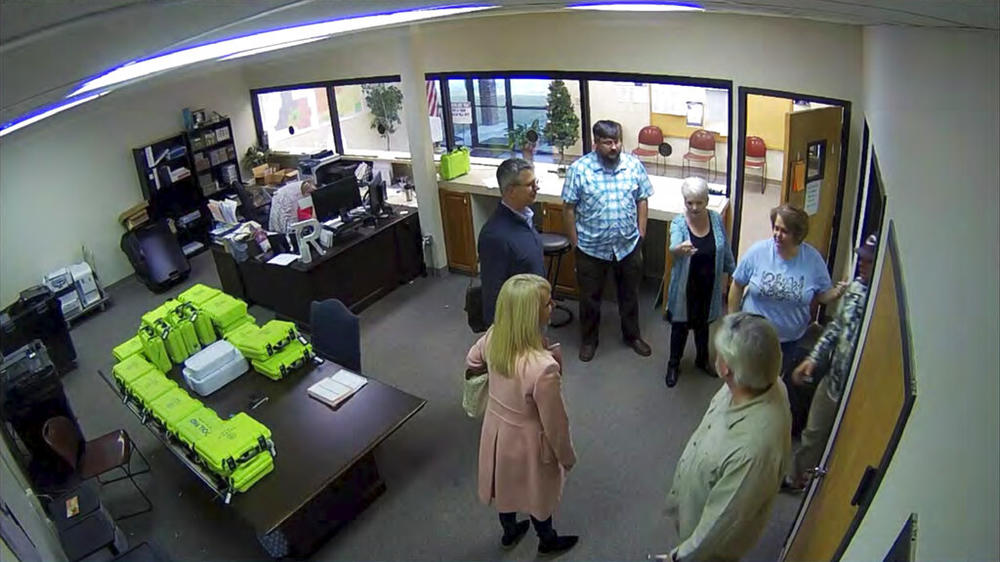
587	352
509	542
640	347
672	374
557	545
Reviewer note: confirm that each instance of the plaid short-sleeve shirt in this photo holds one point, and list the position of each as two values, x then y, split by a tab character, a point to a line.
607	219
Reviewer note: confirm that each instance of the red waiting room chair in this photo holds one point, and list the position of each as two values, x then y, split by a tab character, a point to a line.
650	138
701	148
756	157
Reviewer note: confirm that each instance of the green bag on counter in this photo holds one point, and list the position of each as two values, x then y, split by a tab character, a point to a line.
454	163
292	357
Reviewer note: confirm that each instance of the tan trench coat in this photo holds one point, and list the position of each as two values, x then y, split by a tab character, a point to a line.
525	447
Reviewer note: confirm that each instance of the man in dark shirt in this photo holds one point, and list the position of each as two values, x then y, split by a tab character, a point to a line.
508	242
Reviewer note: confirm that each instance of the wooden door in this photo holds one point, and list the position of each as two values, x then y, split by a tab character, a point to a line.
459	240
811	179
552	221
878	404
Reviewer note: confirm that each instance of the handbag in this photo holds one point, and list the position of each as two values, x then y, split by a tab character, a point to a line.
475	390
474	308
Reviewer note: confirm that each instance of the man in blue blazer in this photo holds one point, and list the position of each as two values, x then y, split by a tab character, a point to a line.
508	242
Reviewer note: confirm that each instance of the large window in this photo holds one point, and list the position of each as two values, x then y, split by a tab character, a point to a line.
676	111
491	115
296	121
371	117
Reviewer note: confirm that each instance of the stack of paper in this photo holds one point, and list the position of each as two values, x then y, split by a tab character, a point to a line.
336	388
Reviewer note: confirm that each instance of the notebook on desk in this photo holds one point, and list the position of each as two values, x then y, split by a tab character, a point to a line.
340	386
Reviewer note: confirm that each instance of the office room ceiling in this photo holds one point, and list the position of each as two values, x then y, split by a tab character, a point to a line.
47	48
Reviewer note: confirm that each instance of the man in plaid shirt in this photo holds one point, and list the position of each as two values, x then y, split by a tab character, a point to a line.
833	353
605	205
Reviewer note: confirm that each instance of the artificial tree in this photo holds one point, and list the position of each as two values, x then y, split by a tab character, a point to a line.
562	128
524	137
384	101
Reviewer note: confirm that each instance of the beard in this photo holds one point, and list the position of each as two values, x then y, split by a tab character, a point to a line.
610	161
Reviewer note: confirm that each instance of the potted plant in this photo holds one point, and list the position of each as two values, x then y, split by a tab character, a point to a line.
563	126
384	101
524	137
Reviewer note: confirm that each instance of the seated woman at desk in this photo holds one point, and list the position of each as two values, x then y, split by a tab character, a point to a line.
525	449
285	205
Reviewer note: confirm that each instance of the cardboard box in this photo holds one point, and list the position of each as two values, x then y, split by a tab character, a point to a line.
134	216
274	177
259	172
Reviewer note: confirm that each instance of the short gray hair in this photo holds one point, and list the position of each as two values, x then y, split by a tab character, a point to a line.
749	345
509	170
694	188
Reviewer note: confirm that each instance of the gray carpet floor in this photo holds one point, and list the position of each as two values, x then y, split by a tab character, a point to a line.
628	429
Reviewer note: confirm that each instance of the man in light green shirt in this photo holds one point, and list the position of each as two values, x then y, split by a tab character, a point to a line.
733	464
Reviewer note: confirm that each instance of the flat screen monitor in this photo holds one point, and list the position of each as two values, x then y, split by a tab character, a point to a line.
334	198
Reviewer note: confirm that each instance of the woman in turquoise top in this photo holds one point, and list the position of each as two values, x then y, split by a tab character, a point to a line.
702	258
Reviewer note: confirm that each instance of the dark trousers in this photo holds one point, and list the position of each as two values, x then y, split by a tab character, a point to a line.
591	273
678	340
799	397
508	520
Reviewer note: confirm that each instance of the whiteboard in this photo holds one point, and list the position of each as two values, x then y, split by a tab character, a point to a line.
672	99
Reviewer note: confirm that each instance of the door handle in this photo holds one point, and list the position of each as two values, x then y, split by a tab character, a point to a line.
864	485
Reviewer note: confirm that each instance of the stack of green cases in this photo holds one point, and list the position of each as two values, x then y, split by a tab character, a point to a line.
250	473
198	294
173	407
225	311
262	342
197	425
180	321
154	348
202	323
294	355
159	321
130	347
130	370
237	441
149	388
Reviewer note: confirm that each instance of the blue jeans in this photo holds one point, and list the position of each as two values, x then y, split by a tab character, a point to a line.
799	397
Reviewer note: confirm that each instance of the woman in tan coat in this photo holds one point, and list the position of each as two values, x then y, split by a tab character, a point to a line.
525	449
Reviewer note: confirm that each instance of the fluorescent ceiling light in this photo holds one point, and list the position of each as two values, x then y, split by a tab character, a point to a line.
226	47
252	52
31	119
639	7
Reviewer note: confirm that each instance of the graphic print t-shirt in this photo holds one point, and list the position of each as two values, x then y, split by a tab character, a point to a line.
781	290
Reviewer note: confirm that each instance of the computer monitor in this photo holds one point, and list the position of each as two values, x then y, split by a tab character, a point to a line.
333	199
377	195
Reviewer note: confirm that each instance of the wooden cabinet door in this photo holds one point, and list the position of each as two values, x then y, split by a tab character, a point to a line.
459	240
552	221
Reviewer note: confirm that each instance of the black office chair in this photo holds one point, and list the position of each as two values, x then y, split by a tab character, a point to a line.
555	246
336	333
260	214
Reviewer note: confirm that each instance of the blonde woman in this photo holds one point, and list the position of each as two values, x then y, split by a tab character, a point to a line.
525	449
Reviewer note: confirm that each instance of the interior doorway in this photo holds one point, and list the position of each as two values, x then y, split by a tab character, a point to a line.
791	148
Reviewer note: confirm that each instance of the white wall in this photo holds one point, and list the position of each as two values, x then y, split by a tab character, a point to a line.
932	103
64	181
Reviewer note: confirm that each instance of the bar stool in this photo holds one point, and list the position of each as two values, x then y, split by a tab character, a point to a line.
554	247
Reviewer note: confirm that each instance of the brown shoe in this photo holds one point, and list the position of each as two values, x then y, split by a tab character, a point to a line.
587	352
640	347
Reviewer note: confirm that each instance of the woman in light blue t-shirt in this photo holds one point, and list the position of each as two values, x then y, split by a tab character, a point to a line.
779	278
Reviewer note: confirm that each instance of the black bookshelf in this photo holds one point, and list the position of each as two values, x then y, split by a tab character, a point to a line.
213	158
168	183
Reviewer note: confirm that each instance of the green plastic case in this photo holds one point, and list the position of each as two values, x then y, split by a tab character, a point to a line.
198	294
154	348
202	324
128	348
292	357
224	311
236	442
130	370
197	425
149	388
180	321
262	342
173	407
251	472
246	319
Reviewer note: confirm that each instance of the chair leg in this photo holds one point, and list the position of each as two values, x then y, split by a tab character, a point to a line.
569	313
149	504
127	470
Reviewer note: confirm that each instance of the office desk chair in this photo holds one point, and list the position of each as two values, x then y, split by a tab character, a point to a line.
336	333
554	247
262	214
91	459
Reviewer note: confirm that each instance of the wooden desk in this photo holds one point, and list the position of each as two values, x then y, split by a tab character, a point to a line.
324	471
357	270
